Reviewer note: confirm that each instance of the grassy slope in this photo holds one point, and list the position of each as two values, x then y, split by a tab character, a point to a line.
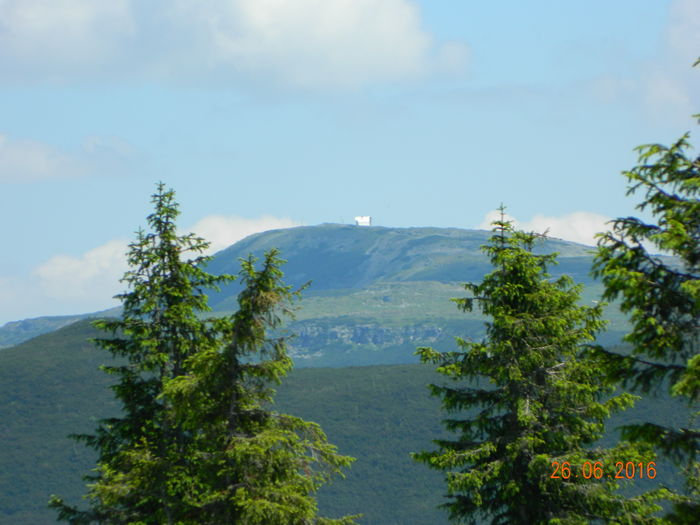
50	387
342	257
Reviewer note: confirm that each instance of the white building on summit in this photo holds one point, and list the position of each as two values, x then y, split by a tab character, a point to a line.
363	220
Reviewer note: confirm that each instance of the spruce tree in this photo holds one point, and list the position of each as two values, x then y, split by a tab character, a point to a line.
662	298
250	465
195	443
526	407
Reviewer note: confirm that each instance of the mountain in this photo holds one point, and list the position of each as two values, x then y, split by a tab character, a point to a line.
343	257
375	292
16	332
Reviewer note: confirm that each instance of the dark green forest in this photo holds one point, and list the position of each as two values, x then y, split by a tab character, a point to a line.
50	387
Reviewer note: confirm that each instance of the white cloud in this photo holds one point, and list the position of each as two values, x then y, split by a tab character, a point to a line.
312	43
671	85
683	31
665	91
665	86
23	160
452	56
92	276
54	37
69	284
26	160
222	231
305	43
580	226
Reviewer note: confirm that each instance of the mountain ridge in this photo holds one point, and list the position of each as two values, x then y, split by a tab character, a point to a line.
387	273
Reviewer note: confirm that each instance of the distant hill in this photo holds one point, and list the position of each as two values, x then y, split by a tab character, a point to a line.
375	292
16	332
343	257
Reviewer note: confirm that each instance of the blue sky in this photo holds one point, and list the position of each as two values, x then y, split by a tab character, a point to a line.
273	113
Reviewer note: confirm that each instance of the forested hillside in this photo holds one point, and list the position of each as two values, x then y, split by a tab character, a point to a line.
51	387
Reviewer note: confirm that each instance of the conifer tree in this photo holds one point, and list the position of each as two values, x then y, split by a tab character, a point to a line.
523	451
194	443
663	301
251	465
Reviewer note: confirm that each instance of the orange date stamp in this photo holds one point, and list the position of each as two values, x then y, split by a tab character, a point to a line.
596	470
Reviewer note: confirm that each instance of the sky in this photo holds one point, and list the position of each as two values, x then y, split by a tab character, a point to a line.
265	114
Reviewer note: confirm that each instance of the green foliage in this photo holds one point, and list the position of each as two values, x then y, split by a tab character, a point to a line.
194	443
252	465
543	403
51	386
663	301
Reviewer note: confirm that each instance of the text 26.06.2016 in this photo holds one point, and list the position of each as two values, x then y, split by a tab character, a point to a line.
596	470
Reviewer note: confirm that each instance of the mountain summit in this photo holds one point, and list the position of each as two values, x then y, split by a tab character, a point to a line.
367	284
